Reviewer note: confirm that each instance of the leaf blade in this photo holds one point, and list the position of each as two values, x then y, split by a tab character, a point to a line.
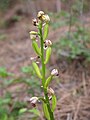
37	70
36	48
48	54
45	109
54	102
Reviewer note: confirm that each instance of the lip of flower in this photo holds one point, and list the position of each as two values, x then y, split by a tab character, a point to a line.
54	72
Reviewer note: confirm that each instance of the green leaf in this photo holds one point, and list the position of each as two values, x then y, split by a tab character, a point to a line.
46	30
48	54
48	81
37	70
36	48
45	109
23	110
34	111
54	102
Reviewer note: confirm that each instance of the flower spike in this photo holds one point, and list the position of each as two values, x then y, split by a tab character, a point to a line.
42	24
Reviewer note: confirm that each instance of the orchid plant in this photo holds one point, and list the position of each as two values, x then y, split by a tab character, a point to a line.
43	53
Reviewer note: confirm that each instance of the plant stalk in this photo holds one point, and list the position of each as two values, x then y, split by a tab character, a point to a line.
43	73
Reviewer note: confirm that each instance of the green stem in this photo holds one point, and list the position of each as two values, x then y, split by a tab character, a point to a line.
43	73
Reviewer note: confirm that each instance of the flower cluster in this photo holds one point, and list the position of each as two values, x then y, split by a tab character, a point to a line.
42	24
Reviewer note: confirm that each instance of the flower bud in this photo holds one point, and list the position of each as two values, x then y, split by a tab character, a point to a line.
33	101
46	18
54	72
40	13
33	35
35	22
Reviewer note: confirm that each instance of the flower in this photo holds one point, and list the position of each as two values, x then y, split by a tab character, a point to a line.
33	101
39	15
43	17
33	35
54	72
36	59
32	58
35	22
48	43
46	18
50	91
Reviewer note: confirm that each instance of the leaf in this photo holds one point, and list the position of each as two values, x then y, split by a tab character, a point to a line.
54	102
36	48
23	110
45	110
48	81
37	70
48	53
34	111
46	30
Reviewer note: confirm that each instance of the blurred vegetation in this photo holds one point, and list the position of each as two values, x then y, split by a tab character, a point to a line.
11	109
75	42
74	45
6	4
